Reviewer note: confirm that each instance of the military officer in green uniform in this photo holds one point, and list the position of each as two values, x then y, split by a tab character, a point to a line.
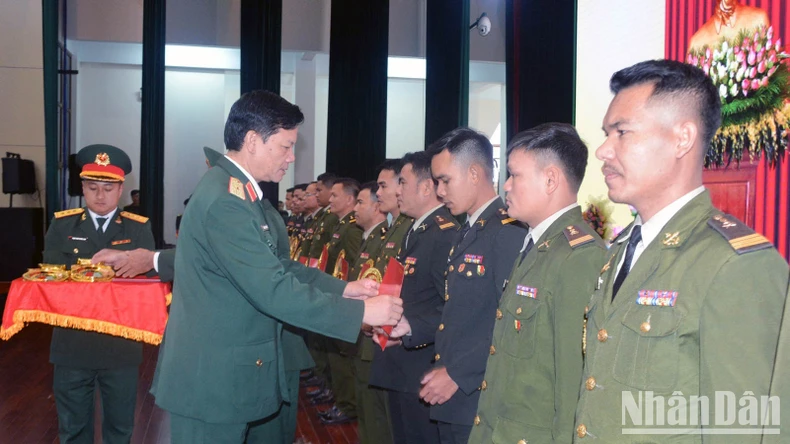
221	365
689	301
531	383
477	266
82	359
388	182
312	215
346	239
372	426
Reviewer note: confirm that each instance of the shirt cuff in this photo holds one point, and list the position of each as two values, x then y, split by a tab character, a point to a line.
156	261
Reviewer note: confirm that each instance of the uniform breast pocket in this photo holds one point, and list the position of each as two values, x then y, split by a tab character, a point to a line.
648	349
255	373
518	337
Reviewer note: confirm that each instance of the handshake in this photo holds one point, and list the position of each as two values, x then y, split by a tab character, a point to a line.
379	310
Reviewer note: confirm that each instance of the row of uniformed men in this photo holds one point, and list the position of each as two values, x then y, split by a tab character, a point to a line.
494	315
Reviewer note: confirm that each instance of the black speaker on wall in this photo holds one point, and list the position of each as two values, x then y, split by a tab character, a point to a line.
75	183
19	176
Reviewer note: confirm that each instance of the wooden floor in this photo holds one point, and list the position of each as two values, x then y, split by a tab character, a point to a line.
27	407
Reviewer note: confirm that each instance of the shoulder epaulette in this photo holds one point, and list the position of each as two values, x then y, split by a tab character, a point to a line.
134	217
504	218
576	236
236	188
742	239
445	223
353	220
71	212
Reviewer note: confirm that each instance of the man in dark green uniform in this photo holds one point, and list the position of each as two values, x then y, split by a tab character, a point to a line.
347	239
387	195
690	300
477	267
399	367
312	214
370	401
221	364
85	359
531	383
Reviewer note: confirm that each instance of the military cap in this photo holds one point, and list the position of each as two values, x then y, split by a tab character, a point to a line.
103	163
212	156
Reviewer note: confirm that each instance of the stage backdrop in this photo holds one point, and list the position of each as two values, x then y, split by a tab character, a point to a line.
756	193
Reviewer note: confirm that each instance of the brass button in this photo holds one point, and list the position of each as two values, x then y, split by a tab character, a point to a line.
452	268
603	335
441	327
492	350
586	309
581	431
498	314
522	441
518	311
590	383
645	327
436	357
446	297
76	250
468	274
477	420
259	362
484	385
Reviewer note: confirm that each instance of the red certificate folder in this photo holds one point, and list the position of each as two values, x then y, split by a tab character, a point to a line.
391	285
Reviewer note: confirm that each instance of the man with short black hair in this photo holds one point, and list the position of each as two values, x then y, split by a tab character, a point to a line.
223	367
408	355
537	352
135	206
681	278
478	264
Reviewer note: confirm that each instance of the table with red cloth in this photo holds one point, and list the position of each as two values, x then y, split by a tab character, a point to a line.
134	309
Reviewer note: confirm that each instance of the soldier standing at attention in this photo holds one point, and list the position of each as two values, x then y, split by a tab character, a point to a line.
387	194
481	259
424	254
690	299
531	383
84	359
372	422
347	238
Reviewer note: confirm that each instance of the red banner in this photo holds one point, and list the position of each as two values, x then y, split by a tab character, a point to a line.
131	309
391	285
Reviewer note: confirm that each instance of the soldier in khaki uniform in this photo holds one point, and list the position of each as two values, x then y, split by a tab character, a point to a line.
84	360
346	239
371	427
531	383
690	300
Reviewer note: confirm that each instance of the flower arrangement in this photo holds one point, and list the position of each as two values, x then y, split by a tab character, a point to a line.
753	81
599	216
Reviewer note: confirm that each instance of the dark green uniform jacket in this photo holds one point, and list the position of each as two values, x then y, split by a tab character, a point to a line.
325	225
71	237
348	238
532	381
476	271
698	313
424	259
222	356
393	241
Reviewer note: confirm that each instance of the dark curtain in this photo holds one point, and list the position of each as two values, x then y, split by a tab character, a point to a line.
152	138
357	112
540	46
50	48
261	47
446	67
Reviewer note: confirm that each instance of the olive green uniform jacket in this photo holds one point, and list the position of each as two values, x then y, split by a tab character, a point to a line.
698	313
222	358
72	236
347	237
531	384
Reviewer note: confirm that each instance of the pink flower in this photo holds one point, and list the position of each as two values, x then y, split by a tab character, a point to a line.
764	82
752	57
760	55
706	68
761	67
741	56
757	46
772	56
772	71
752	72
707	53
770	33
755	84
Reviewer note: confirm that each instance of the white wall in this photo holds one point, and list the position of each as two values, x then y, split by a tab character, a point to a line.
21	91
405	116
610	37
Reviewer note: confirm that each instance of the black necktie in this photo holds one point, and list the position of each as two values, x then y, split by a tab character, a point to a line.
524	253
100	221
636	236
462	233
